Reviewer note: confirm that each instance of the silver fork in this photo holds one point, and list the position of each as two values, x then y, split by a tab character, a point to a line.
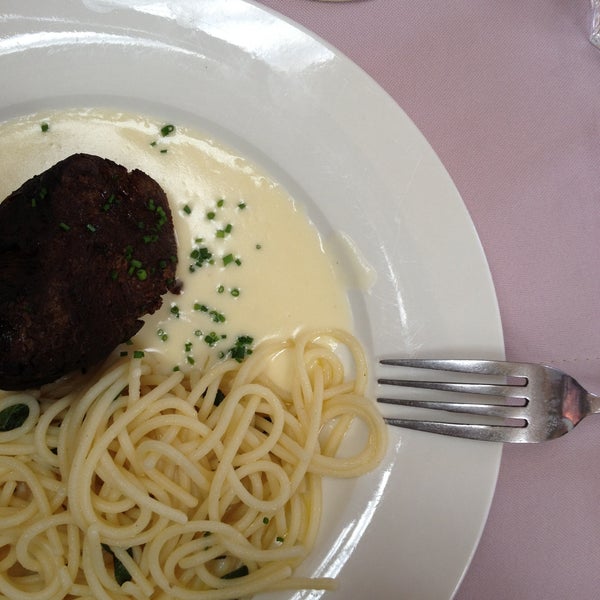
533	402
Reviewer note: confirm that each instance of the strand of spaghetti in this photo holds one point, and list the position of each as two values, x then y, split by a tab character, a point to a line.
95	570
156	423
139	578
161	407
190	555
225	413
260	580
53	589
337	430
7	490
82	433
83	466
199	395
107	505
213	440
313	428
215	510
255	364
170	452
131	486
235	477
9	554
38	502
276	425
50	413
73	552
373	450
23	448
135	374
71	426
50	560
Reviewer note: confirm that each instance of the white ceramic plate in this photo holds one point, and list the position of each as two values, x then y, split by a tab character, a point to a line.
324	129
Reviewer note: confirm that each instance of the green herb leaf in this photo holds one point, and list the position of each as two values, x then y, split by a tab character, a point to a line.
122	575
219	397
13	416
44	127
240	572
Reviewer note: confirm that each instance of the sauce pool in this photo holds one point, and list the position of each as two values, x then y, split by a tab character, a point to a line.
251	263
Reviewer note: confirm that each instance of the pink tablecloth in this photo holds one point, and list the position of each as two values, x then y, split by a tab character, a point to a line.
508	94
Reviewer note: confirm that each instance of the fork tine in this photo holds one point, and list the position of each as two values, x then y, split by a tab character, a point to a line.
485	433
513	391
462	365
493	410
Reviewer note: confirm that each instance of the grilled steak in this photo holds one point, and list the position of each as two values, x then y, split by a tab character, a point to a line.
86	249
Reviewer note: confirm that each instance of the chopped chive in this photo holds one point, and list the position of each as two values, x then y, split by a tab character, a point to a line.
167	129
138	354
176	368
64	226
258	246
153	144
220	289
241	348
188	346
198	333
190	360
217	317
109	202
235	292
210	215
142	274
175	310
220	203
187	210
164	151
90	227
44	127
279	539
212	338
227	259
266	520
242	205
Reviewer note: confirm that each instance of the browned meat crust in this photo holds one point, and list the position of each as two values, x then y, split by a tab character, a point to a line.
86	249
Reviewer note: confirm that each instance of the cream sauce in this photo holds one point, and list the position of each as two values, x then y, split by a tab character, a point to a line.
286	282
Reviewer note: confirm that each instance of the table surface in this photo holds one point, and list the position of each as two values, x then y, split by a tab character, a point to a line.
507	93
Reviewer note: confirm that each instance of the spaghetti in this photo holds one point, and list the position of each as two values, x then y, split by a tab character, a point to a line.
132	483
